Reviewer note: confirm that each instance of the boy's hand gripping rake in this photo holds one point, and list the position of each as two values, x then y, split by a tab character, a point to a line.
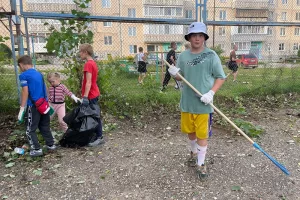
235	126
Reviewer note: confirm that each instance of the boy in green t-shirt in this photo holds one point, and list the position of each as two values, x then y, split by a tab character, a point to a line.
201	67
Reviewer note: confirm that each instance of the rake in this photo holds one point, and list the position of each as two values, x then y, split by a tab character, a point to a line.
235	126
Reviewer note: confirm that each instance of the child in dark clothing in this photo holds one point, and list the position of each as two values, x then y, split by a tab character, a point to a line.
34	88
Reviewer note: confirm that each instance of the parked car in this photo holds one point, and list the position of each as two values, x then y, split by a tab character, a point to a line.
247	60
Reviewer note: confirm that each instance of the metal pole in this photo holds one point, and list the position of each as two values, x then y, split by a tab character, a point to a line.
120	29
157	78
33	54
12	39
196	10
214	25
27	36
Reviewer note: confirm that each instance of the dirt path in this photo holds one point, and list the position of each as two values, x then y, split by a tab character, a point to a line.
148	163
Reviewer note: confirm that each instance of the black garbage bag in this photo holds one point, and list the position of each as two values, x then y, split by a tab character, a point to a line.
82	123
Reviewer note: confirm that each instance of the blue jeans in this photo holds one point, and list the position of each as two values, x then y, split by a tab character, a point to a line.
99	129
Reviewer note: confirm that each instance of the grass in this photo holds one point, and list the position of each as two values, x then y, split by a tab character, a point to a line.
125	95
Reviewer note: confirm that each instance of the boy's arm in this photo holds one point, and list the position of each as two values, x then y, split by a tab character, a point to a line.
88	77
24	96
218	83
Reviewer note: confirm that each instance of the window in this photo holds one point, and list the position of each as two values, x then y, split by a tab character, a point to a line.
271	16
37	38
222	31
131	12
222	1
251	29
108	40
298	2
281	47
152	48
163	29
284	1
106	4
132	31
166	11
282	31
271	1
297	31
296	46
270	31
132	49
222	14
107	24
242	45
283	16
189	14
298	16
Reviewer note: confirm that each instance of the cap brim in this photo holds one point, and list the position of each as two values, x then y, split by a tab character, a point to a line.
186	37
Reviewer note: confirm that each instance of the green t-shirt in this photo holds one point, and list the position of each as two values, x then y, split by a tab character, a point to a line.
201	70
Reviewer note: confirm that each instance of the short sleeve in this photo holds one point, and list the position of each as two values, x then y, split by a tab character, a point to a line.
180	65
218	71
23	81
88	67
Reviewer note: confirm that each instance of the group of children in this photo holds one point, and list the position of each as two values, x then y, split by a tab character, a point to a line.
199	65
34	88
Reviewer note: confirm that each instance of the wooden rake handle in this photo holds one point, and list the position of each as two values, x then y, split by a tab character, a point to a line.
214	107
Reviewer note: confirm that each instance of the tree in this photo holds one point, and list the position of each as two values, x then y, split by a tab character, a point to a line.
64	43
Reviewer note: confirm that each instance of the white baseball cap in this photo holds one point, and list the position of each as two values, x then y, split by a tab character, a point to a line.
197	27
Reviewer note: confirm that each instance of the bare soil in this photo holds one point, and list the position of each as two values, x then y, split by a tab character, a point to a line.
145	159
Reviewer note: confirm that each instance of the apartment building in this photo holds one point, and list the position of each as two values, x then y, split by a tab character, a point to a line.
267	42
124	39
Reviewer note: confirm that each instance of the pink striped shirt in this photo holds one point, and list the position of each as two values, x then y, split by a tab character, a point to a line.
57	94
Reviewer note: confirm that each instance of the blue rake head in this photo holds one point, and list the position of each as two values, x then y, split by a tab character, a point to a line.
272	159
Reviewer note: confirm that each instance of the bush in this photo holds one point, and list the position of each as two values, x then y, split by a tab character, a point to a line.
5	52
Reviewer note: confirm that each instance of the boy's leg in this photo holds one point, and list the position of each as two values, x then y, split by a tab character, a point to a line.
61	112
187	126
44	126
203	125
32	121
99	133
167	78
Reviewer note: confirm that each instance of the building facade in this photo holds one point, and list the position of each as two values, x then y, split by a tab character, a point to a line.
124	39
266	42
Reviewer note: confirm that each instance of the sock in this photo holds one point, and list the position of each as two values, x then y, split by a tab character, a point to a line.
193	146
201	154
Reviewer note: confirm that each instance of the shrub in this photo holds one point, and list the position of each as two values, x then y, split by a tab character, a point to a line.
6	52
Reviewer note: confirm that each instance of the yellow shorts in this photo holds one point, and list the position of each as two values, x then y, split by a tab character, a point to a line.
196	123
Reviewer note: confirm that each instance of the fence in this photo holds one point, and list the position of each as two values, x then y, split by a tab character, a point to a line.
269	30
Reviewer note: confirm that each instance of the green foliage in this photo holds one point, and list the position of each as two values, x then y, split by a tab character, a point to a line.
5	52
218	50
130	58
298	53
64	42
248	128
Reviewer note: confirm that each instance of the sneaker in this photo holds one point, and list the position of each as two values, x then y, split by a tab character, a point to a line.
35	153
97	142
202	172
192	161
52	147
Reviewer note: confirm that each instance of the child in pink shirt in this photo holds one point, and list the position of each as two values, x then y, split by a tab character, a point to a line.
57	92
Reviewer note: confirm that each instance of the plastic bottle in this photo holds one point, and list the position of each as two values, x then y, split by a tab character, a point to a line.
19	150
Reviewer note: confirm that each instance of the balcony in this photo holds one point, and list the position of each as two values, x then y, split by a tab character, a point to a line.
164	2
249	4
249	37
149	38
44	7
